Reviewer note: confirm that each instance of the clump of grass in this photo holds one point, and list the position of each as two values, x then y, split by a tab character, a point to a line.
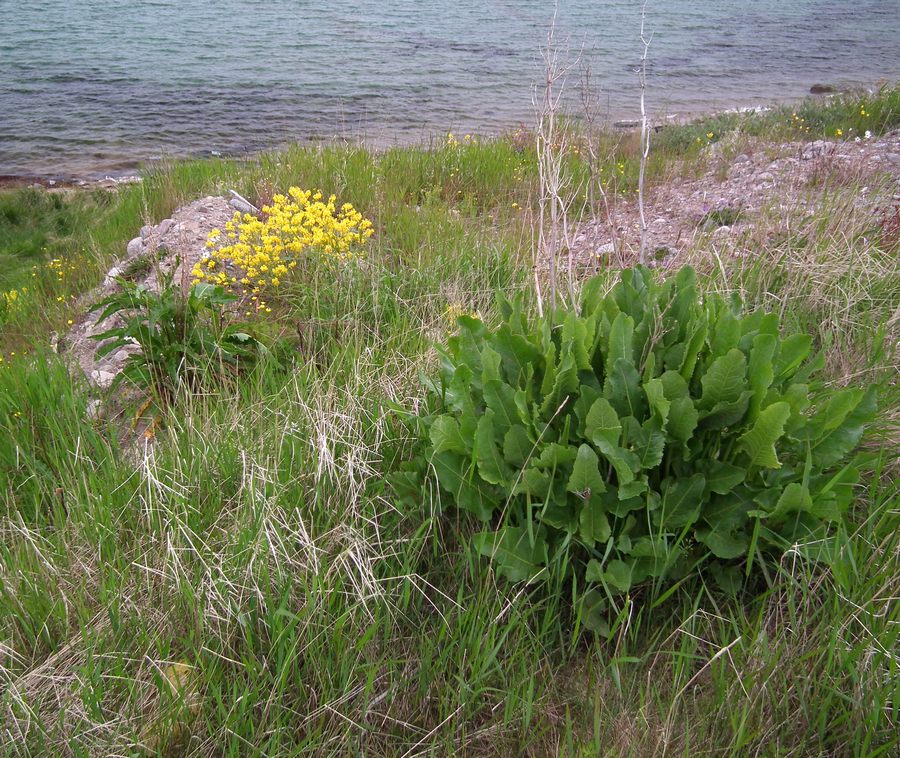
725	215
845	116
137	268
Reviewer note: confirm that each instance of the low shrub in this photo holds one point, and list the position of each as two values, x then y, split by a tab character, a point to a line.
181	337
652	434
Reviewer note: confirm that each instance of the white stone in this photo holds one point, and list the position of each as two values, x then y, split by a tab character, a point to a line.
135	247
103	379
722	231
93	409
111	276
240	205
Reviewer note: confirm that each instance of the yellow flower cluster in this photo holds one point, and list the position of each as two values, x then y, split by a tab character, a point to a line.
261	253
799	122
60	267
12	299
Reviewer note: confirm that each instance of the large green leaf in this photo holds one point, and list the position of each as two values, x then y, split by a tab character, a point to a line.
724	544
727	333
553	456
624	462
491	465
759	441
674	385
562	517
793	351
761	370
517	446
728	512
516	351
579	333
682	500
795	498
722	477
647	440
453	473
586	398
490	365
843	439
651	557
501	399
533	483
692	350
633	489
657	400
565	384
623	389
683	417
593	523
585	478
618	575
550	369
593	612
445	436
683	303
513	552
602	423
618	506
725	379
621	340
728	413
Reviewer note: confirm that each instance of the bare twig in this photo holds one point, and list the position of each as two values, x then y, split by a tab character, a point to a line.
555	193
645	133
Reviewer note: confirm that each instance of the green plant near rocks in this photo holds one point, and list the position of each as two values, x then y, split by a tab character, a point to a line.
648	436
182	338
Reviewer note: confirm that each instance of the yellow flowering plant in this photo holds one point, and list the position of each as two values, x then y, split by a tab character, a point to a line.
255	255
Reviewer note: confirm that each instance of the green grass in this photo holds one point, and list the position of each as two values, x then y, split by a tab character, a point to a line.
255	553
851	113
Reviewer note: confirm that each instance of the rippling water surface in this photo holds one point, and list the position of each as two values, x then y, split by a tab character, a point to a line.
94	86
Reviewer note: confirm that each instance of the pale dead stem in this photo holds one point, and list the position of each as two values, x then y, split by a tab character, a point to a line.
645	134
556	193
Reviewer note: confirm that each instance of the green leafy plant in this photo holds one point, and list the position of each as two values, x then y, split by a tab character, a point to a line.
652	434
181	337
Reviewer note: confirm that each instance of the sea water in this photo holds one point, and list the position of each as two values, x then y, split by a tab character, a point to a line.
95	86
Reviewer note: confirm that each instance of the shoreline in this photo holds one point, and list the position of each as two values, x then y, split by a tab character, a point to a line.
130	172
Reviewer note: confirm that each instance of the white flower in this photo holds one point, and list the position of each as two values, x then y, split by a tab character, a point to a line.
857	140
868	134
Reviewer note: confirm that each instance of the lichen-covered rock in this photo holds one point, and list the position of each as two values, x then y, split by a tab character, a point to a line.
172	246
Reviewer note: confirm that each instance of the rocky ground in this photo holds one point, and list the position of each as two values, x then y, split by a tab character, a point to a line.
742	184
